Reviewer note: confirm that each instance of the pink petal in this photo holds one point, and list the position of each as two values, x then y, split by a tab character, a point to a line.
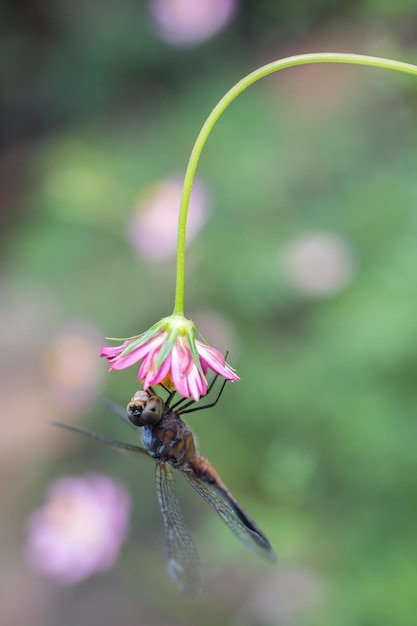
147	371
179	380
180	385
154	378
112	353
146	367
197	383
132	358
183	358
139	353
215	360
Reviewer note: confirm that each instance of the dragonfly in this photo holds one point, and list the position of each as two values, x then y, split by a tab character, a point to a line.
170	443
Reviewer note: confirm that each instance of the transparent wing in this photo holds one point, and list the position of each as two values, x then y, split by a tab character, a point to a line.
183	562
236	519
116	445
119	411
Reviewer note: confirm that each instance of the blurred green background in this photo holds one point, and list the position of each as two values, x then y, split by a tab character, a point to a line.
304	268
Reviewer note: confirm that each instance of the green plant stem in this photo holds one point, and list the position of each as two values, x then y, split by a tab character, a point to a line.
253	77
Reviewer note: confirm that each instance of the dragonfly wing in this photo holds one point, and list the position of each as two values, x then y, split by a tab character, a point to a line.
116	445
235	518
119	411
183	562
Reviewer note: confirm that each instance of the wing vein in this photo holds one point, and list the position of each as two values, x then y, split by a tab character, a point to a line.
183	562
233	516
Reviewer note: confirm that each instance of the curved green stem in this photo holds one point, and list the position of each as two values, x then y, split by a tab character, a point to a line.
253	77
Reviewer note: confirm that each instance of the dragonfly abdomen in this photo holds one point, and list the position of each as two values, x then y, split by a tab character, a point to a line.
205	472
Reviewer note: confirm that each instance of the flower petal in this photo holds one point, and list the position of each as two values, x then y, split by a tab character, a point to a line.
119	362
154	378
215	361
197	384
112	353
178	360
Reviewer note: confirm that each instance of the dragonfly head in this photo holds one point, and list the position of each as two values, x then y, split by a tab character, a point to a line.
145	409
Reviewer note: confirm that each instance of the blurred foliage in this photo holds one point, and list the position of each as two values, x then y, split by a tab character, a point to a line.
318	440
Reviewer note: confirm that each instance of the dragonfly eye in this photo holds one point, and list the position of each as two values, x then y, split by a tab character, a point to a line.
153	411
134	413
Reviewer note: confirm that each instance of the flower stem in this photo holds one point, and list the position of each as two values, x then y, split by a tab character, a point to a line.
253	77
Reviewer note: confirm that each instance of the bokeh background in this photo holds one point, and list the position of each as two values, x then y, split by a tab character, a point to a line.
301	262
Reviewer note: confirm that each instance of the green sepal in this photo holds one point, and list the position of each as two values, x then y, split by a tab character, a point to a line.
166	347
193	348
140	340
122	338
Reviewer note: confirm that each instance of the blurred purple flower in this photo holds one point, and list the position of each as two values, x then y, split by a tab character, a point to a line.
153	226
191	22
80	529
317	264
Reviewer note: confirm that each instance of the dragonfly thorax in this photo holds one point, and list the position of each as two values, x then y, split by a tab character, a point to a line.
170	440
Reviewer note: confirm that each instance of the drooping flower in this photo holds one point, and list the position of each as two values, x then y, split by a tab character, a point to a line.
80	529
171	355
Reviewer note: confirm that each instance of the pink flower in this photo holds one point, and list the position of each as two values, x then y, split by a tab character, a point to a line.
80	529
171	355
70	364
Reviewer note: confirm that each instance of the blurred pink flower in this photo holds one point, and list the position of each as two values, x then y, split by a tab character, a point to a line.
317	264
153	226
70	363
284	597
171	355
191	22
80	529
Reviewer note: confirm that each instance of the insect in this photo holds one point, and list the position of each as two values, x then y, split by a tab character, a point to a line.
168	440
